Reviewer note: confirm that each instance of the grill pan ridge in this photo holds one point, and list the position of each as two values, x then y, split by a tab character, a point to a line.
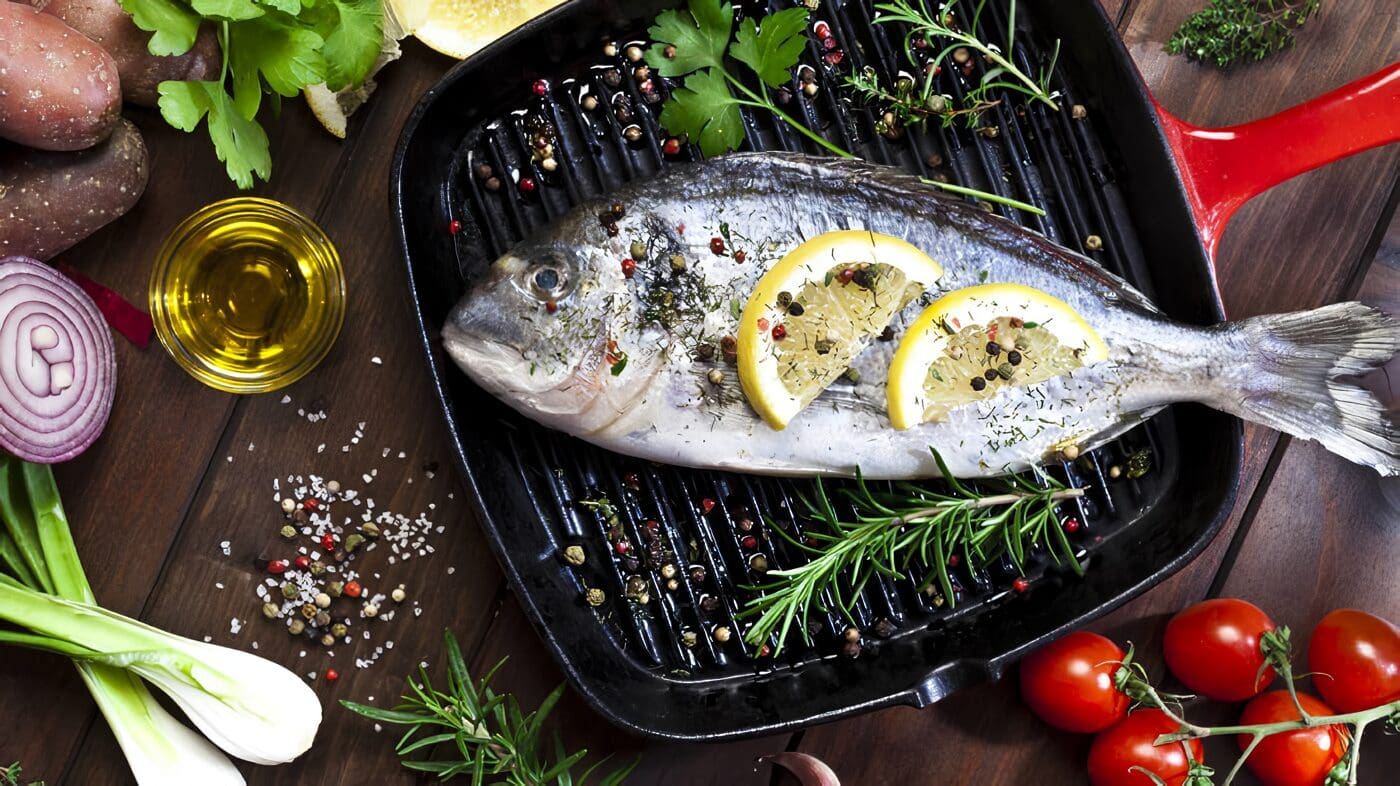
637	665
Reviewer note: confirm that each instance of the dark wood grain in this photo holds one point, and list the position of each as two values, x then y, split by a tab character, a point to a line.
153	501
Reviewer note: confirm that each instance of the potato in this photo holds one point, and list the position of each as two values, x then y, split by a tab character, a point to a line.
105	22
58	89
49	201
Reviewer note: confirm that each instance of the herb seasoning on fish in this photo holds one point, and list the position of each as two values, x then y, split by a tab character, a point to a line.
1281	371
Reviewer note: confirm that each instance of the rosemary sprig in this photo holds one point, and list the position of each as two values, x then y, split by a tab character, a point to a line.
911	107
914	528
496	741
1226	32
1004	74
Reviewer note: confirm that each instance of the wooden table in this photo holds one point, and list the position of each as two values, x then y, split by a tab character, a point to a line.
182	468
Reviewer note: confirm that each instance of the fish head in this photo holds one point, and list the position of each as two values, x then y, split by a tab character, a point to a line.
540	331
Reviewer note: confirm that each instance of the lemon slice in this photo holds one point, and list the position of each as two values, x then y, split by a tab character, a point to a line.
816	309
972	342
458	28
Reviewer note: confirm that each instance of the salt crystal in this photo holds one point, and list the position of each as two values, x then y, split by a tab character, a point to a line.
286	399
226	547
378	728
208	638
402	454
218	585
376	361
250	447
321	448
234	626
451	570
255	645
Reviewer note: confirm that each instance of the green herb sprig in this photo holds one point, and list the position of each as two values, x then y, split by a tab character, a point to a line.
700	44
917	105
270	47
485	735
1227	32
913	528
13	775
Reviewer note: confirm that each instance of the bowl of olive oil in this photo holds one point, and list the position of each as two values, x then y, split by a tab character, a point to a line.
248	295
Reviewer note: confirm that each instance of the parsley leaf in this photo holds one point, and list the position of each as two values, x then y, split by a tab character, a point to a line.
227	10
240	143
699	37
354	34
772	49
705	110
174	25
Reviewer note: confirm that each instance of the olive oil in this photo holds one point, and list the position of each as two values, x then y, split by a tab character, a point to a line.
248	295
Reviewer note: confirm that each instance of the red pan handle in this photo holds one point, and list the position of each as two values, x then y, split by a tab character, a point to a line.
1222	168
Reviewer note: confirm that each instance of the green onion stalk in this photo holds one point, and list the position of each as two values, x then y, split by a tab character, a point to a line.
244	704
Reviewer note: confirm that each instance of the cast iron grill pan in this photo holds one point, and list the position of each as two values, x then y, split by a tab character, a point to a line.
659	668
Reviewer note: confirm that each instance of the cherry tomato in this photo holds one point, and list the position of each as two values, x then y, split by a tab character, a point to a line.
1292	758
1213	648
1129	744
1069	683
1355	658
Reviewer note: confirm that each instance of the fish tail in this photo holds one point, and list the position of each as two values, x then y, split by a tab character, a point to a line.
1294	380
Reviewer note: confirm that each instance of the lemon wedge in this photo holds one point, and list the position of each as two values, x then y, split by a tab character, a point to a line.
458	28
816	309
973	342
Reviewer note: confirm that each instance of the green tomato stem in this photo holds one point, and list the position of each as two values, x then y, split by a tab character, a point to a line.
1354	719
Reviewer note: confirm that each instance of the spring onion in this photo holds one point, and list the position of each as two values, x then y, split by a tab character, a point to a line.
249	706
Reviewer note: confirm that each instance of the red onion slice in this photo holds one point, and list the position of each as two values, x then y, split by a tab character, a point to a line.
58	370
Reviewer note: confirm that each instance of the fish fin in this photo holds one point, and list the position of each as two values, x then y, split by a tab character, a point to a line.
1296	387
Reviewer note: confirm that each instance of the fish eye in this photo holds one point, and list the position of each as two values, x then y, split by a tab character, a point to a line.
548	280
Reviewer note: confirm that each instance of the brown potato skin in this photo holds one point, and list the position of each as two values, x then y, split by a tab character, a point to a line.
105	22
58	89
50	201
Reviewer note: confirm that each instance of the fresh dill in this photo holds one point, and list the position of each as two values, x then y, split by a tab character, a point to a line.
911	529
483	734
1227	32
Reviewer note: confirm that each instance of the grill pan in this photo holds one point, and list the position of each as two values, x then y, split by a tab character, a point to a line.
657	669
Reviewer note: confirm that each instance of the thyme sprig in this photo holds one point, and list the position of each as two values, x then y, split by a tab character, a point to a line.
1227	32
914	528
497	742
1131	679
1003	75
912	107
13	776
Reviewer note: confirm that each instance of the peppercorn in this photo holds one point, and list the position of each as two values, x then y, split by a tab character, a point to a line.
288	531
493	183
339	630
328	640
1078	112
671	147
296	626
549	164
322	619
749	542
851	633
540	87
852	374
993	348
290	590
990	374
1071	525
611	229
612	77
574	555
327	541
851	649
1006	370
302	561
526	185
721	634
885	627
335	588
595	597
689	639
641	73
668	571
636	585
709	603
989	132
697	574
338	555
631	563
289	505
822	346
353	589
1115	471
1093	242
370	610
589	103
796	309
779	332
632	133
333	486
1013	357
610	49
758	563
705	351
716	245
332	675
308	611
744	524
1020	585
979	384
482	170
677	262
323	600
270	610
353	542
277	566
634	53
1070	452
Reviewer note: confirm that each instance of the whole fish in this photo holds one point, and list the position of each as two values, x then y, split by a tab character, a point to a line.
624	355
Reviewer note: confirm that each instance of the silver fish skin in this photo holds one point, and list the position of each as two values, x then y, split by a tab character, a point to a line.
562	364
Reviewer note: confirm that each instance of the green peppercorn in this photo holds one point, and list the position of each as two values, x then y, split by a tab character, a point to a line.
677	264
339	630
335	588
290	591
1013	357
308	611
784	299
575	555
317	568
322	619
822	346
595	597
638	249
853	374
295	627
689	639
288	531
370	530
1006	370
353	542
270	610
328	640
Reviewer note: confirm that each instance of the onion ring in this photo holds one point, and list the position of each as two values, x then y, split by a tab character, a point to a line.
58	370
